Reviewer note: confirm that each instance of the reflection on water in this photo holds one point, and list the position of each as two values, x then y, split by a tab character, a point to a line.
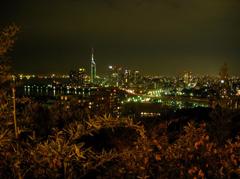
53	91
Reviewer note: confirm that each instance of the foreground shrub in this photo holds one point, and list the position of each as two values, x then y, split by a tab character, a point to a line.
107	147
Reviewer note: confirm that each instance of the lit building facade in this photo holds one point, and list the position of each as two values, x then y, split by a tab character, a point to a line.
78	77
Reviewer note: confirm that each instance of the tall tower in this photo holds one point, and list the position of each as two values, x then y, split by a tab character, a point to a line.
93	68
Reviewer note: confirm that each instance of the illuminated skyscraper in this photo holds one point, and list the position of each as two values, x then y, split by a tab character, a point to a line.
93	68
187	79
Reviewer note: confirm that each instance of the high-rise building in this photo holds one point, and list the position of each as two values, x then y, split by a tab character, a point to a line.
187	79
78	77
136	77
93	68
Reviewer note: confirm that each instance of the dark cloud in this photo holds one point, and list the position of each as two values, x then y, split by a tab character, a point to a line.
156	36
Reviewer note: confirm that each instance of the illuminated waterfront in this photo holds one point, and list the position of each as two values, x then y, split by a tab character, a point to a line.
116	101
54	91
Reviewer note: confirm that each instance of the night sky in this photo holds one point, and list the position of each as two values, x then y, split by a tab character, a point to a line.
162	37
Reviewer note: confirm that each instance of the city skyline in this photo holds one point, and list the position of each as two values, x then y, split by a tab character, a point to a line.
156	38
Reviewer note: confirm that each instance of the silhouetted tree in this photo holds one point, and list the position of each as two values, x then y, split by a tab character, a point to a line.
223	73
7	39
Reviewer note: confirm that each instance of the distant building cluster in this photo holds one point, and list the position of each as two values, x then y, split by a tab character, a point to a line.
220	90
122	77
